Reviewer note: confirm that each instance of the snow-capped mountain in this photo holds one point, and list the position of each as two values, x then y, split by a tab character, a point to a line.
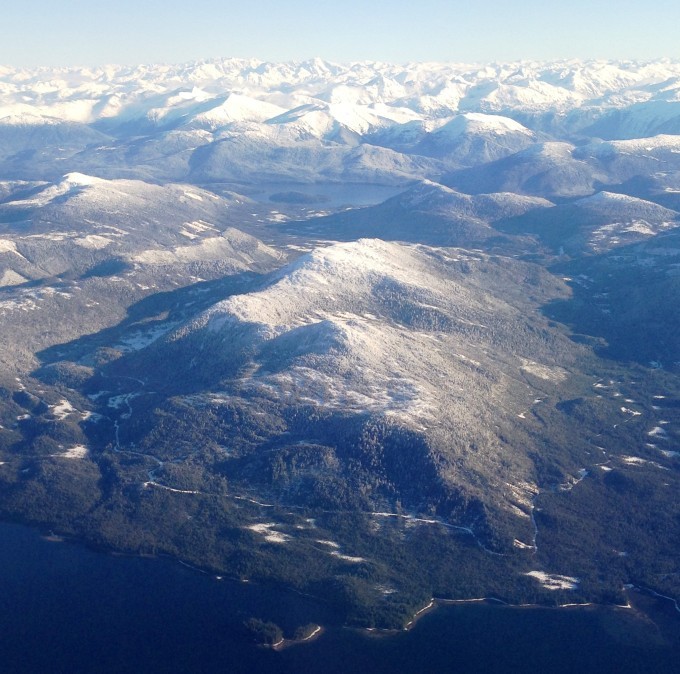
439	342
75	224
427	213
116	93
596	223
547	169
475	138
250	121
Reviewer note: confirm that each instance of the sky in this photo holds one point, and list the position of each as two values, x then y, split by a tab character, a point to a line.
87	32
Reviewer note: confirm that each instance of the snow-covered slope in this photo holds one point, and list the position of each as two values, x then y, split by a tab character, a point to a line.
80	221
427	213
475	138
429	339
625	159
544	169
337	300
596	223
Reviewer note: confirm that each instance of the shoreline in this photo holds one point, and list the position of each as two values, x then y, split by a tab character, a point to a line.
49	535
456	635
287	643
437	602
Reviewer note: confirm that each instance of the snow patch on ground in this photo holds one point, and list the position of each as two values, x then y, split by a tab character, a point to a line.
553	581
11	278
555	374
142	339
193	195
76	452
93	417
639	461
266	530
93	241
627	410
347	558
63	409
634	460
200	226
7	246
335	552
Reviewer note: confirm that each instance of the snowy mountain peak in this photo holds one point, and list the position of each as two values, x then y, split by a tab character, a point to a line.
325	281
82	180
605	197
428	193
625	206
479	123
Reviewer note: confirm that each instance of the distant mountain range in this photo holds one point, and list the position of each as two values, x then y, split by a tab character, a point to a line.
246	120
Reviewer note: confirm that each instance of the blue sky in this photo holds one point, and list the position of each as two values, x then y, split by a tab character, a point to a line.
88	32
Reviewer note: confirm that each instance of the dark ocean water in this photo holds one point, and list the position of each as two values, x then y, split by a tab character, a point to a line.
65	608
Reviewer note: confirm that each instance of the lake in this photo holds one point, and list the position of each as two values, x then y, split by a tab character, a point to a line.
66	608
